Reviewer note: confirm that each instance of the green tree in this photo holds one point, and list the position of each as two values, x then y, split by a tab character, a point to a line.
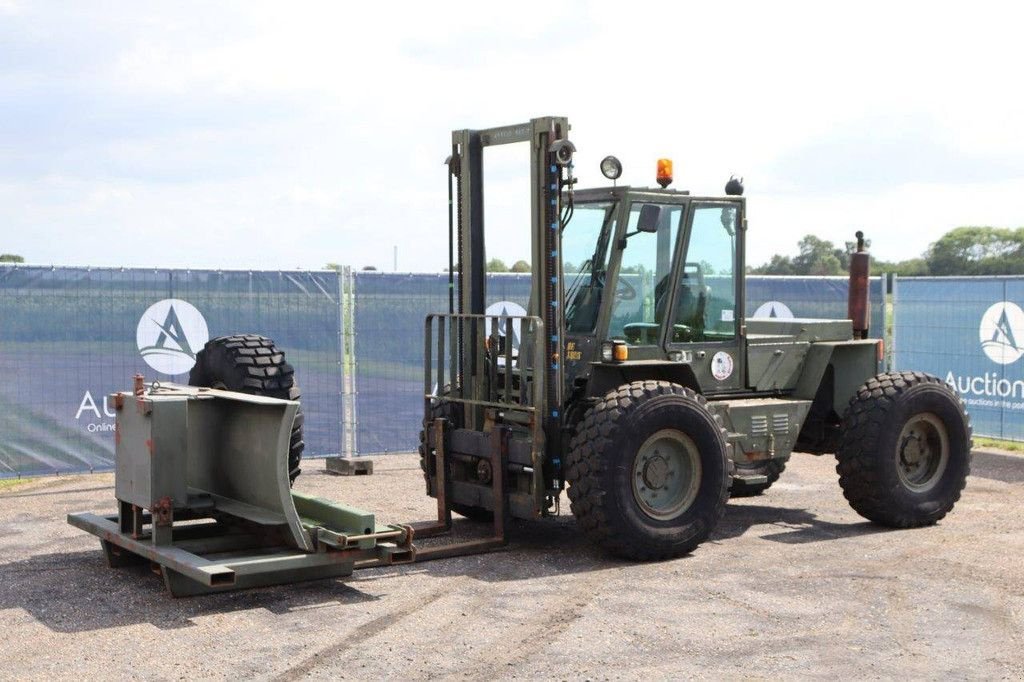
961	251
978	251
778	265
496	265
333	266
819	257
520	266
816	257
907	268
708	268
11	258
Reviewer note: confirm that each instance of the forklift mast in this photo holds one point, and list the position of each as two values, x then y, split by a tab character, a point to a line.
550	171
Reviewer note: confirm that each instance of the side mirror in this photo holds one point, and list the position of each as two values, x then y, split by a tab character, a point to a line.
650	218
729	220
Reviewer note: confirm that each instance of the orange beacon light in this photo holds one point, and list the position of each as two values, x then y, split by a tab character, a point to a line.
664	172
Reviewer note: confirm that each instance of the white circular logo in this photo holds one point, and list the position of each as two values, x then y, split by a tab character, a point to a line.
169	335
502	309
774	309
721	366
1001	332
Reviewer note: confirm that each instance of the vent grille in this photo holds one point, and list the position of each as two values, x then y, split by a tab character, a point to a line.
759	425
780	423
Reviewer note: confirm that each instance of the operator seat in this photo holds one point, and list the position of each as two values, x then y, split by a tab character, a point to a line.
691	301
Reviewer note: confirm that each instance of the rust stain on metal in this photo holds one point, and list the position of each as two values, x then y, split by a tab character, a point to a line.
162	511
139	388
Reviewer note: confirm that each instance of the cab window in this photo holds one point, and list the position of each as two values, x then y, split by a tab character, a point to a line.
705	305
585	263
642	289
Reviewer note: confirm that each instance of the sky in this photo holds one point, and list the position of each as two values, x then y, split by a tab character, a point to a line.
289	135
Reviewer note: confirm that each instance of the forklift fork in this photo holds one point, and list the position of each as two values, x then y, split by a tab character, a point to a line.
499	440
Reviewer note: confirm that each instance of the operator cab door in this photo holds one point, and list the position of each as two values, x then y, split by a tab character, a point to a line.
704	331
644	274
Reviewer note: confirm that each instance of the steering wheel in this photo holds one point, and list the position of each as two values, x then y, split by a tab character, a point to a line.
698	269
624	291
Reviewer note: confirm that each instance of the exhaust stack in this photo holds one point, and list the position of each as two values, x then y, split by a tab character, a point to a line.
858	308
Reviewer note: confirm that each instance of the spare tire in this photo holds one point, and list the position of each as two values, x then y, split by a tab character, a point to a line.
252	364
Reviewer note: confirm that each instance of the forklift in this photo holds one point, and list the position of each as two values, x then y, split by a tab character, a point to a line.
636	380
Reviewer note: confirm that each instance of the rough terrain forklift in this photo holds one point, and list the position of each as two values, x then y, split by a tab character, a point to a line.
636	379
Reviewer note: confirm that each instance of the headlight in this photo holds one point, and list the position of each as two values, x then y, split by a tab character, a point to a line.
614	351
611	168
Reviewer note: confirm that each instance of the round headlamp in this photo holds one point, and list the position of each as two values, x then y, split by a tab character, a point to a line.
611	168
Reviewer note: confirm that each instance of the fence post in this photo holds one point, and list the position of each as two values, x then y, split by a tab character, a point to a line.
343	435
1002	374
890	343
348	347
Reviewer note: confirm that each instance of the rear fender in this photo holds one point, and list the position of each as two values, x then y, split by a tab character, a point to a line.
852	363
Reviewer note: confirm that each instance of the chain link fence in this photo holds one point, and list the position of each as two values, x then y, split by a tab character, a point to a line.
390	310
968	331
69	337
388	329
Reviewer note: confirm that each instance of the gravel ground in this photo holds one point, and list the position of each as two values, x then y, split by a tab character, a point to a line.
793	584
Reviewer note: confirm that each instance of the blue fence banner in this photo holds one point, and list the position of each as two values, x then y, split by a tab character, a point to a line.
390	311
69	337
389	317
969	331
812	297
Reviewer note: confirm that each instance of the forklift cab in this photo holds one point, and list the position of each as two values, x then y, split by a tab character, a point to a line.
660	272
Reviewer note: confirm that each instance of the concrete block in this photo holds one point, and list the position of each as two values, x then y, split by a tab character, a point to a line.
349	466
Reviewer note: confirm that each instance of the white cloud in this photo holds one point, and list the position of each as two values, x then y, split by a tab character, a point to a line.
322	127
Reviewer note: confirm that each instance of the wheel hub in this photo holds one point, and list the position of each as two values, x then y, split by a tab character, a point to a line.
922	452
666	474
656	471
913	450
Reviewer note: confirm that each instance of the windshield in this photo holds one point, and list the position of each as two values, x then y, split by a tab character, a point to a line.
584	263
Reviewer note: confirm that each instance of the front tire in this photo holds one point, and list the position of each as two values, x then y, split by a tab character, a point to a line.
648	472
904	450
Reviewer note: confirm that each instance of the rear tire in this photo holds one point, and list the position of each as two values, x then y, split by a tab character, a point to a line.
252	364
904	449
648	472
